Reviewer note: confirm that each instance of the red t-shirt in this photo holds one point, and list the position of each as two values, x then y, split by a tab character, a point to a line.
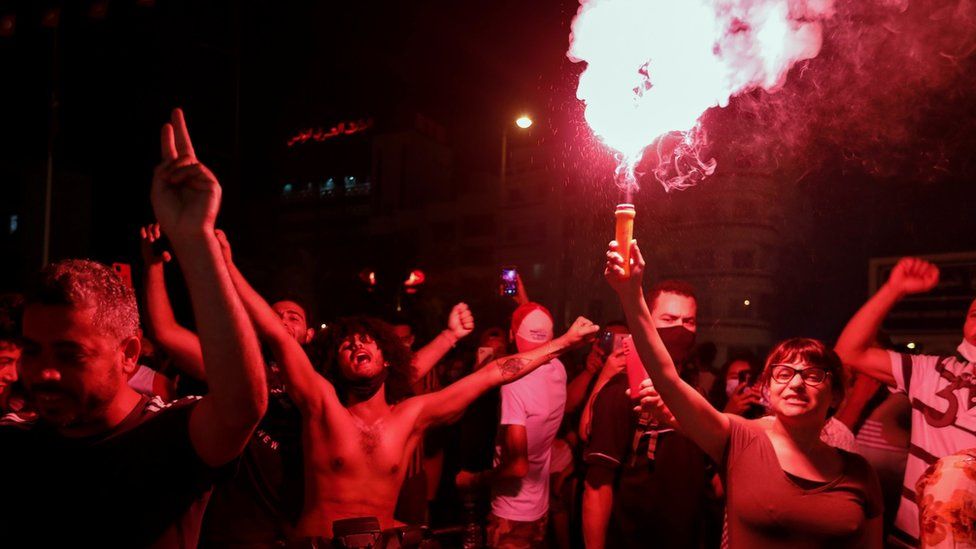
766	508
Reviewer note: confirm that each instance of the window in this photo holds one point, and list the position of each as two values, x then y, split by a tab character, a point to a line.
327	188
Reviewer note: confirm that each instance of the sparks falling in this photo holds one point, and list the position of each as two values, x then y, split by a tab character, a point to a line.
653	67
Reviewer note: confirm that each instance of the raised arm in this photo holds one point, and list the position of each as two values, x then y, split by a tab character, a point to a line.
305	386
855	346
700	422
460	323
449	403
182	345
186	199
576	389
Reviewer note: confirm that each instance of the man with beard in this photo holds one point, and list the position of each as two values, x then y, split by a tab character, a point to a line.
104	466
358	436
645	481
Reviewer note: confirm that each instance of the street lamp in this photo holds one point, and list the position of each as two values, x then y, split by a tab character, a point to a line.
523	122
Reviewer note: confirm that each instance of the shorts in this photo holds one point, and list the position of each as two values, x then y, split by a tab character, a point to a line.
516	534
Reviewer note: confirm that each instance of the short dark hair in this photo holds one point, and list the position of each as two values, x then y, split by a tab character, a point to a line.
88	284
812	352
306	309
494	331
670	286
396	354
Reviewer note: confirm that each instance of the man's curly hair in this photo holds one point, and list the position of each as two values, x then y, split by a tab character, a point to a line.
399	358
87	284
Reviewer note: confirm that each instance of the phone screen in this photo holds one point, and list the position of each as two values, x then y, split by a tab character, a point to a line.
606	342
509	281
124	270
745	377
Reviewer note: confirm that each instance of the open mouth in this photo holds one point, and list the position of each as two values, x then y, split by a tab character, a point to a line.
361	358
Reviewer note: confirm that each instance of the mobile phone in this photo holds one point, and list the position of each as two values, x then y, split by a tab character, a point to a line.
745	378
618	341
509	281
606	342
636	373
124	270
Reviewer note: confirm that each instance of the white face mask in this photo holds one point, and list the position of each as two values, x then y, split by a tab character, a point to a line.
730	386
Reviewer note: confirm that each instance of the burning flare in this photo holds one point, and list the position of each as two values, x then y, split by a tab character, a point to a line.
655	66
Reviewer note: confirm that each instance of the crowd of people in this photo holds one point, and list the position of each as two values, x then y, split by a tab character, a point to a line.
123	428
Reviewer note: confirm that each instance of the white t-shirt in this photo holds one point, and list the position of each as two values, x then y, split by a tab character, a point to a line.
143	381
942	392
537	402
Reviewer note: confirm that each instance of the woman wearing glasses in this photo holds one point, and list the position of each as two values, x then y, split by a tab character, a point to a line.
785	487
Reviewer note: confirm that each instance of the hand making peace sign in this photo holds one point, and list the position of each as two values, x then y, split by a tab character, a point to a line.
185	194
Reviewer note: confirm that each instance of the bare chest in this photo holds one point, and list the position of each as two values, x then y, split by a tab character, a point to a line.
359	449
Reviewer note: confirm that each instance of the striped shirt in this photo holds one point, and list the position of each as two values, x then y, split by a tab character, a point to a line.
871	435
942	392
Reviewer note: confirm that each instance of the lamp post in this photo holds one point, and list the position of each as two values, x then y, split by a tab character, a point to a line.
523	122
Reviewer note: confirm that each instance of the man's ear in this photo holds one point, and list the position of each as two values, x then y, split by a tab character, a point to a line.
130	348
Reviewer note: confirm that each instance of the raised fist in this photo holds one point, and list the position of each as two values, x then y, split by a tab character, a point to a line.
581	331
912	276
185	194
460	322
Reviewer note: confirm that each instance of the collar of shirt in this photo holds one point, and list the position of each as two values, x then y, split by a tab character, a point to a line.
967	350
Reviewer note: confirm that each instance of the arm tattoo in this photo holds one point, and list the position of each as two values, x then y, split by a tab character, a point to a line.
512	367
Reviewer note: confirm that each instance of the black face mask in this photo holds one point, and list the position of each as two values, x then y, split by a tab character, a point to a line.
363	388
679	341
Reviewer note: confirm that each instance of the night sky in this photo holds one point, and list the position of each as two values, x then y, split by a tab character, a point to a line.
875	136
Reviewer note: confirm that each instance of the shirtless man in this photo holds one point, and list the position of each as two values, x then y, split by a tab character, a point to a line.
357	448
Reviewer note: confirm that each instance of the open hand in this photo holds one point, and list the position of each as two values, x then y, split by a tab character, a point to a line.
147	236
460	321
912	276
185	194
615	363
614	271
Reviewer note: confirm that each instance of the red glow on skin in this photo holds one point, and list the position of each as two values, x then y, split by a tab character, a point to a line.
653	67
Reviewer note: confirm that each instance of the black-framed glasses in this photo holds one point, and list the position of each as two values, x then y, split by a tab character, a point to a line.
784	373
